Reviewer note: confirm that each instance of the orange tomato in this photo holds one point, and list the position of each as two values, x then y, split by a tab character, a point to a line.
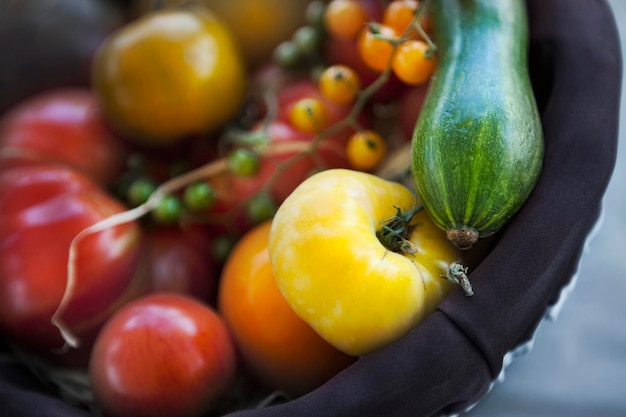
399	14
277	347
345	18
412	63
258	26
375	48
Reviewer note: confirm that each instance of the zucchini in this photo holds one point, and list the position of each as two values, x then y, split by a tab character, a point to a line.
477	147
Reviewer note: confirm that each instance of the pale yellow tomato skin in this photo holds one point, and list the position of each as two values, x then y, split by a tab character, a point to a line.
337	276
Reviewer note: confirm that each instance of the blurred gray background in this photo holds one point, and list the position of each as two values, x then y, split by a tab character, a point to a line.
577	366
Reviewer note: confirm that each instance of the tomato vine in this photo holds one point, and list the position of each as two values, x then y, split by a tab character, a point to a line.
220	166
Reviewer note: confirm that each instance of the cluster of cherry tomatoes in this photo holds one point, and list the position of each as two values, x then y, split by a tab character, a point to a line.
136	211
396	41
387	37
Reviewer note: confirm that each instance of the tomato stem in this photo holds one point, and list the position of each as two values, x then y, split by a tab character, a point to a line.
457	274
395	231
432	47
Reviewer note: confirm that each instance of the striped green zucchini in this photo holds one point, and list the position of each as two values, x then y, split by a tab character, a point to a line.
477	146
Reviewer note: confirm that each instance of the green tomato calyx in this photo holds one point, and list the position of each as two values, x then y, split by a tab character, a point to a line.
395	231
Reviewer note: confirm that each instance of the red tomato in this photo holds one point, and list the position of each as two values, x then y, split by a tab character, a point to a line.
63	126
287	155
278	347
162	355
180	262
297	89
43	208
289	143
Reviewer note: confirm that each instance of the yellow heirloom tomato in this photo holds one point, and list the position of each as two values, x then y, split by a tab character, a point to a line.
331	266
171	73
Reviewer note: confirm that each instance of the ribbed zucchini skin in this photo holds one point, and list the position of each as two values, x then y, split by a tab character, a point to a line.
477	146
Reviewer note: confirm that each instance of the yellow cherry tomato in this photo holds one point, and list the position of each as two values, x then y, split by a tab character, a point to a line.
365	149
399	14
375	49
171	73
309	115
339	84
332	268
412	63
258	26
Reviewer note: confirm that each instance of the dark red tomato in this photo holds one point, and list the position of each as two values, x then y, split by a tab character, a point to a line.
410	107
43	208
306	88
63	126
180	261
162	355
